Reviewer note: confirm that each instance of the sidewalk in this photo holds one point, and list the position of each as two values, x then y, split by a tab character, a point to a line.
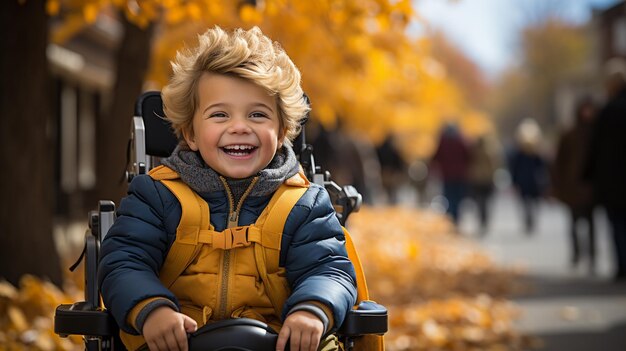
566	308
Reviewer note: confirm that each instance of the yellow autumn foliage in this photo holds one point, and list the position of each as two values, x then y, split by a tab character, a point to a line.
27	314
360	66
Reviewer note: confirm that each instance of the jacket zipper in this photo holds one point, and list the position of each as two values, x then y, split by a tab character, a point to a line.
233	221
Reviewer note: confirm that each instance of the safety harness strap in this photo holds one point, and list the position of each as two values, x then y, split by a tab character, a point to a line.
272	223
195	215
241	236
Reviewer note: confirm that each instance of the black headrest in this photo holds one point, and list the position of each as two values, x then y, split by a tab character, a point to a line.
160	138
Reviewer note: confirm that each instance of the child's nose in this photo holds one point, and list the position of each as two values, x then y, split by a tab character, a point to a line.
239	125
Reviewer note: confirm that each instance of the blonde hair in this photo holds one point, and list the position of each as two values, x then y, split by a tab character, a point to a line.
247	54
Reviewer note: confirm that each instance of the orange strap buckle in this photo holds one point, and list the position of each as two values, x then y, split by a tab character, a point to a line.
231	238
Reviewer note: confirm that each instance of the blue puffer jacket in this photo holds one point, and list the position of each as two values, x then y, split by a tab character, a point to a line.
312	248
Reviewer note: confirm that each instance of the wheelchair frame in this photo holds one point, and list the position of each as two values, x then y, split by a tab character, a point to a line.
90	319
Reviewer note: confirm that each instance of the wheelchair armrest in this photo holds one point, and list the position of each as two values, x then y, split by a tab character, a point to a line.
81	319
368	318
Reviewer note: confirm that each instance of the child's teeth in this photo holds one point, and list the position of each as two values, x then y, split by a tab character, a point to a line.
239	149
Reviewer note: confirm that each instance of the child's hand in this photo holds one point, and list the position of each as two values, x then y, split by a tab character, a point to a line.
303	329
166	329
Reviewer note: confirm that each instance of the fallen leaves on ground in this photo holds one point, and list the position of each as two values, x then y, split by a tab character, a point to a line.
442	291
27	314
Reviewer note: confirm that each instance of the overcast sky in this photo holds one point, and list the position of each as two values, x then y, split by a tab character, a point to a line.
486	30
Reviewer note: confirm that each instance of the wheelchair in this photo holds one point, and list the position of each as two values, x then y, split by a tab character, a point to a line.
152	139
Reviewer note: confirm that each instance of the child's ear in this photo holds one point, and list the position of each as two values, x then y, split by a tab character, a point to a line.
190	139
282	133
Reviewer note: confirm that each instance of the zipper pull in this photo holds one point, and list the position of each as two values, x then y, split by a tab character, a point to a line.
233	220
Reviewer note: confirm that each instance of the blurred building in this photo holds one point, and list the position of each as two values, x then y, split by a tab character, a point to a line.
607	32
611	32
82	76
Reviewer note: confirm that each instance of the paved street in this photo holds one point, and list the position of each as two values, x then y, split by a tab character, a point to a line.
567	308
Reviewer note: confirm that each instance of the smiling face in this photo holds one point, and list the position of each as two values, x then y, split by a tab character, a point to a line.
236	126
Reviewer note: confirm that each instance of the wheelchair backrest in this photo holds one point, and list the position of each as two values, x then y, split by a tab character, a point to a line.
161	140
151	134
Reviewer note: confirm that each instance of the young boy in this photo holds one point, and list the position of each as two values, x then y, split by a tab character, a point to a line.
235	102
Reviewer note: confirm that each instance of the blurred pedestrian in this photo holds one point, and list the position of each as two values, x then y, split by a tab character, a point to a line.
451	159
480	174
568	184
528	170
418	175
393	168
606	167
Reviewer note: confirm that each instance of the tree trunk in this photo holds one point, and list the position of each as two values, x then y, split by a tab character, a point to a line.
114	127
26	242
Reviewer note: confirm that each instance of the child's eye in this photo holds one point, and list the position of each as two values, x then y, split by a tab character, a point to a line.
258	115
218	115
